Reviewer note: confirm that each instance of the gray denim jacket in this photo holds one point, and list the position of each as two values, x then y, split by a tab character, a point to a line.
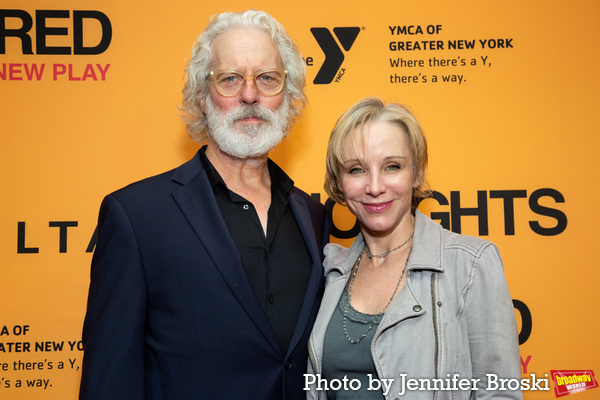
454	318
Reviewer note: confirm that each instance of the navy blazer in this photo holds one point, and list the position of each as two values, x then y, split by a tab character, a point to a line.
171	313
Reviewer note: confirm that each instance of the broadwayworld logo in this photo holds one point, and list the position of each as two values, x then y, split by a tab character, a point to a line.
573	381
334	56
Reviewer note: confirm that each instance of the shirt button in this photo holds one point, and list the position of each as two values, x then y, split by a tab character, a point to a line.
417	308
271	299
288	366
246	207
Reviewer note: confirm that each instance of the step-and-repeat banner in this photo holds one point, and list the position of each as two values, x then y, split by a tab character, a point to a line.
508	93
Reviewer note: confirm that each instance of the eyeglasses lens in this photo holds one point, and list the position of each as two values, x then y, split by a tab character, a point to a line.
232	83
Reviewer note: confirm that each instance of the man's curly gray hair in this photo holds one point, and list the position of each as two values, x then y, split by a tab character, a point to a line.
199	66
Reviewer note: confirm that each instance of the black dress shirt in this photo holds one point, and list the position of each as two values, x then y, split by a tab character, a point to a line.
278	265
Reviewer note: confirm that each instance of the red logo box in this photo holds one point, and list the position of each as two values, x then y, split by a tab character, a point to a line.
573	381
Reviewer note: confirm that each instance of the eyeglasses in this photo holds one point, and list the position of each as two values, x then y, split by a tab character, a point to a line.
231	83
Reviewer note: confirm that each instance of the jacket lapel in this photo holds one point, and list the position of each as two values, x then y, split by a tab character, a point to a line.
314	287
196	201
426	255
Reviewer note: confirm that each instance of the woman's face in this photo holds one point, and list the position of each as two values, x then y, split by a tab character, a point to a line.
378	184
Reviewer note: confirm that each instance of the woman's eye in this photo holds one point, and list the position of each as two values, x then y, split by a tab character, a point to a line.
355	170
393	167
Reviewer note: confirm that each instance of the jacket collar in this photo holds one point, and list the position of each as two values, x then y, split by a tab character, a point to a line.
188	170
341	259
428	244
427	251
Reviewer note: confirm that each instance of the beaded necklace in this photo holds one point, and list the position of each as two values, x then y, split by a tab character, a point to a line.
380	314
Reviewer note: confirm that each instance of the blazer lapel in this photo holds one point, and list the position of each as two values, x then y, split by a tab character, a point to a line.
314	288
197	202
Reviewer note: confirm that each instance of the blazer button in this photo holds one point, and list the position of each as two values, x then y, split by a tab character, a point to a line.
417	308
288	366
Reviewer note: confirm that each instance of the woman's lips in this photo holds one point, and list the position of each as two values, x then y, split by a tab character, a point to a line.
377	207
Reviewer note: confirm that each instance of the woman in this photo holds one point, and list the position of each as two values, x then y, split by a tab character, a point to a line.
408	300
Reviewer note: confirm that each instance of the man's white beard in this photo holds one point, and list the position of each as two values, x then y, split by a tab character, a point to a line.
247	140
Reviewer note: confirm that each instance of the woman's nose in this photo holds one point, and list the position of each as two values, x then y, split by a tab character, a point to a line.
376	186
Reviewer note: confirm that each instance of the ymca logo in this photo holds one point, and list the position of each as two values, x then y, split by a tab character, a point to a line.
334	56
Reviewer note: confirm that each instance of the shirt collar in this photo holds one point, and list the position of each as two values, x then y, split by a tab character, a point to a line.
279	179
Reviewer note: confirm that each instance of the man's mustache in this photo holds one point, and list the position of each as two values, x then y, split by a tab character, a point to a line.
254	111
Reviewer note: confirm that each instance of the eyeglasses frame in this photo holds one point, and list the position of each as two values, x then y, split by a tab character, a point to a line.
213	75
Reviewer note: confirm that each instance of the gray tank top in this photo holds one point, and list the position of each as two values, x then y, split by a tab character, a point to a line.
353	361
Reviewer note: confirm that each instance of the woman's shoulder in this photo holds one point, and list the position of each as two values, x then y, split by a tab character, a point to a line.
470	243
340	257
447	239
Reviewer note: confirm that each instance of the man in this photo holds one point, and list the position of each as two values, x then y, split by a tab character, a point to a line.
206	280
